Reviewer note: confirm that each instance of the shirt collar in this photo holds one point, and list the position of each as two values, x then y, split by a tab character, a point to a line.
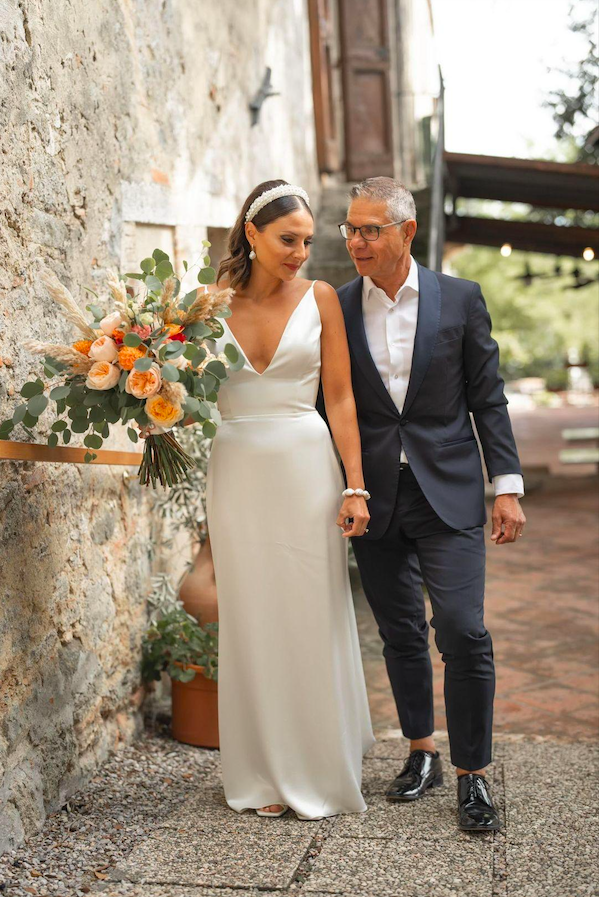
411	282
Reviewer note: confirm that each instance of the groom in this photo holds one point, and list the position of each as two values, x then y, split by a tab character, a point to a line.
423	359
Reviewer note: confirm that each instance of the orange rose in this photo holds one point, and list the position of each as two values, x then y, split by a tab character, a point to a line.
83	345
118	336
143	384
162	412
128	355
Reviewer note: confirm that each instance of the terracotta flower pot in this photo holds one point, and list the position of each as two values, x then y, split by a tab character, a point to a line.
195	709
198	590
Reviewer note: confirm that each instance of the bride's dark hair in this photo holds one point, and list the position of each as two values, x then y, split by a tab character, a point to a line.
236	266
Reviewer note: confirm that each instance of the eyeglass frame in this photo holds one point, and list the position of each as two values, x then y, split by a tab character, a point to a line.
379	228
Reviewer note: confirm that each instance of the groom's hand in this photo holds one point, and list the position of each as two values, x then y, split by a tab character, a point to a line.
508	519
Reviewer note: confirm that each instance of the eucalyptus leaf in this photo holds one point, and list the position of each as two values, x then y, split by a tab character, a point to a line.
53	440
59	425
159	255
37	405
143	364
174	349
66	436
132	339
217	368
93	441
60	392
133	435
206	275
231	352
33	388
163	270
147	265
170	372
153	283
209	429
19	413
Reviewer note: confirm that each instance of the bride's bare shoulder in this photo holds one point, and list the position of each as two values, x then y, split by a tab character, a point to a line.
325	293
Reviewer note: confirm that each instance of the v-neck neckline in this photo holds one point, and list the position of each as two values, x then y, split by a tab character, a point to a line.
270	363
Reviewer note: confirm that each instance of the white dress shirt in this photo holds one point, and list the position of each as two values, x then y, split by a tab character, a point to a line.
390	331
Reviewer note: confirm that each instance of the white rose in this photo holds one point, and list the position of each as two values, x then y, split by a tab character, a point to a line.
147	318
110	322
103	375
103	349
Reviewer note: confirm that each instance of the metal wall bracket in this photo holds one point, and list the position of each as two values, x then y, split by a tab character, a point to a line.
263	93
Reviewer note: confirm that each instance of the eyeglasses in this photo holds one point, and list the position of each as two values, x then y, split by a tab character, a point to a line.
369	232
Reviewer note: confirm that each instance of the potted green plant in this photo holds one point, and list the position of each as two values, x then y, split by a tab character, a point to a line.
188	652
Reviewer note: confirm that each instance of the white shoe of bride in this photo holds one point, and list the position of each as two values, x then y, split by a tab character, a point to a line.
273	812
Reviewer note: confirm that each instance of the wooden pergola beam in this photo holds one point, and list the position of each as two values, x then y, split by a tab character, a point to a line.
29	451
528	236
554	185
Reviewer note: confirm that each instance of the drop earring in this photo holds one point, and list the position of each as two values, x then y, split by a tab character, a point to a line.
253	254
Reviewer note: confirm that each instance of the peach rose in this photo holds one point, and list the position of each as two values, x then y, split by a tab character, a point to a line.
162	412
103	349
143	384
111	322
102	375
128	355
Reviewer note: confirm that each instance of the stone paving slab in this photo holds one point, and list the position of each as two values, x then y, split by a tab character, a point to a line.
216	857
552	819
403	867
208	810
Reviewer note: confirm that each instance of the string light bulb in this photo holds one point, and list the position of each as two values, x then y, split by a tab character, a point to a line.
506	250
588	254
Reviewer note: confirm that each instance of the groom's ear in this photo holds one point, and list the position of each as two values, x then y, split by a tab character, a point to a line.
410	229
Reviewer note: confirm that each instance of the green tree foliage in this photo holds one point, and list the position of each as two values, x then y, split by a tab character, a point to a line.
575	105
536	324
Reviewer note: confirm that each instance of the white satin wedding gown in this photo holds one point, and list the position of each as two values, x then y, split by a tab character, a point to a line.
293	711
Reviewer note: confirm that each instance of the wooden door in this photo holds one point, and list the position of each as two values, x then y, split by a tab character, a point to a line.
366	66
322	48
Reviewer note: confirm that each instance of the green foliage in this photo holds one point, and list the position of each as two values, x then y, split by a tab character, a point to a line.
535	325
575	105
178	637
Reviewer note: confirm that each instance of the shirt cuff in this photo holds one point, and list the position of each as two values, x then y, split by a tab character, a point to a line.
509	483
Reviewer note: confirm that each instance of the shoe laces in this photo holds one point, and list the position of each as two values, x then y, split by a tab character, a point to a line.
478	789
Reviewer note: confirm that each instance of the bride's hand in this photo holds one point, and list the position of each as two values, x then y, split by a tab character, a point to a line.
354	507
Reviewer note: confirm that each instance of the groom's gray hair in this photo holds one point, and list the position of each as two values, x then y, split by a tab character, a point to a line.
400	202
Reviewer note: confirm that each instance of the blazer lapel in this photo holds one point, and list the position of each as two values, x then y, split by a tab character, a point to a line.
427	326
356	334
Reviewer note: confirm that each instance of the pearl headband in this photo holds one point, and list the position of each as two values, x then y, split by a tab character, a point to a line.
274	193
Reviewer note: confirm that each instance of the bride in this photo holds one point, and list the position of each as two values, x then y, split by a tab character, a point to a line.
293	713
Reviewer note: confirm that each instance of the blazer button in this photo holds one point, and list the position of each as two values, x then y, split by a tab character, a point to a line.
402	423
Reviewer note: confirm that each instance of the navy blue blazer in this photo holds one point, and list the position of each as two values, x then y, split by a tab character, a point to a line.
455	371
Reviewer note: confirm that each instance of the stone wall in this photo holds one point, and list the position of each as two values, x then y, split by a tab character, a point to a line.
115	116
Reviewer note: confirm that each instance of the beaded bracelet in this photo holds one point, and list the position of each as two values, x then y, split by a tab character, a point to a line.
363	492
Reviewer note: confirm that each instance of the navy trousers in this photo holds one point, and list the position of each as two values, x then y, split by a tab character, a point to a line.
419	546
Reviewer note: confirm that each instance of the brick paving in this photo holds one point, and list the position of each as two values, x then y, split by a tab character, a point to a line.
541	608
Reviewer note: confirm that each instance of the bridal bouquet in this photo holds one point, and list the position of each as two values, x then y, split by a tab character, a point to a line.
145	358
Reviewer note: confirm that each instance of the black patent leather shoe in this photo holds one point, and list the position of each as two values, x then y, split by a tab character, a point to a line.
477	811
422	770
